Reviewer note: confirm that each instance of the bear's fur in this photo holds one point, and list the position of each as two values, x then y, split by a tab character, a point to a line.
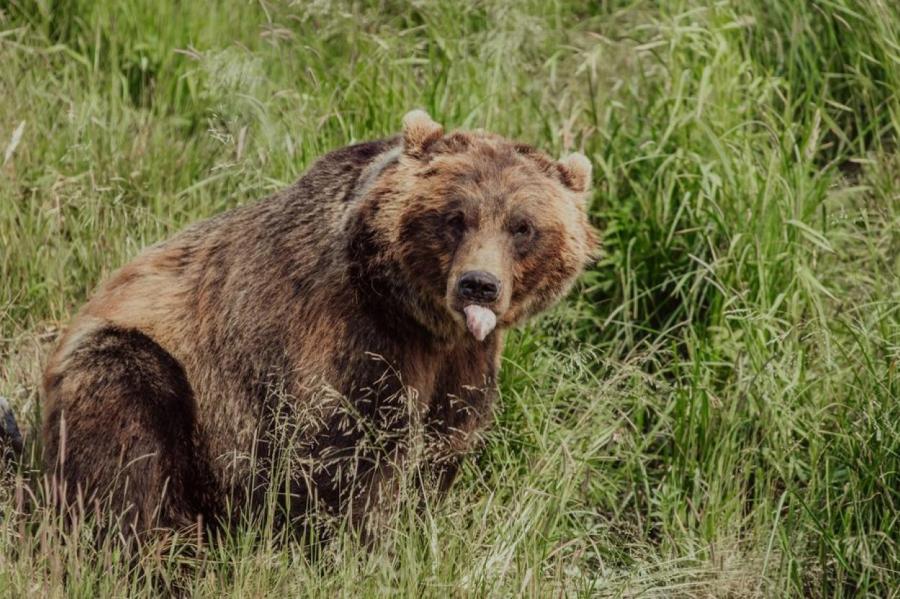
334	302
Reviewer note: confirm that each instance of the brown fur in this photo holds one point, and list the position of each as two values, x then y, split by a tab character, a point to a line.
334	299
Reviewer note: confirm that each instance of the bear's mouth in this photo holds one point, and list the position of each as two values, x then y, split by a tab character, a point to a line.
480	320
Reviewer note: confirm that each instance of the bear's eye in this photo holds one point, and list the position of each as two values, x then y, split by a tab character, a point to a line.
456	223
522	230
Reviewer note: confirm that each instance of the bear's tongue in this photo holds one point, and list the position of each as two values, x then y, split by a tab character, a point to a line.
480	320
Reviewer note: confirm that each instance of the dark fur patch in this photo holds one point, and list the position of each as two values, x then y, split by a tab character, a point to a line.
541	268
126	429
427	244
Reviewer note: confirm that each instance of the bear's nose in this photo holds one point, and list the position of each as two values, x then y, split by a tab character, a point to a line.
478	286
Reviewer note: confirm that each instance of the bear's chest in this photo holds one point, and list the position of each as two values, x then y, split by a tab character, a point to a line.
380	382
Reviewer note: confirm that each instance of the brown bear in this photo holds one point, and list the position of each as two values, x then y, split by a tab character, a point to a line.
364	304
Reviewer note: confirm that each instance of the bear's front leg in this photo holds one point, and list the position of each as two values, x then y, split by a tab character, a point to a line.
461	409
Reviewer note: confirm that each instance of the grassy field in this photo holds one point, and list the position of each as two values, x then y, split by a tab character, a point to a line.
715	411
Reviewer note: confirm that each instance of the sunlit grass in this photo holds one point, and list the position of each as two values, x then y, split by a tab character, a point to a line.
713	412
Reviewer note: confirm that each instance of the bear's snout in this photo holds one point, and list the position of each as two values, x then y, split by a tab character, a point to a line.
478	286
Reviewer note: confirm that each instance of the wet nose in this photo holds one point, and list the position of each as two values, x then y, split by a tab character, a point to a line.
478	286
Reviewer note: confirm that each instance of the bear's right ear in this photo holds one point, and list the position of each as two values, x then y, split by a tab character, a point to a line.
419	132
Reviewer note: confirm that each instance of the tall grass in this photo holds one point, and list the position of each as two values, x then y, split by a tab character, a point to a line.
714	412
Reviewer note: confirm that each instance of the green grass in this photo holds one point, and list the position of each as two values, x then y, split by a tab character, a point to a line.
714	412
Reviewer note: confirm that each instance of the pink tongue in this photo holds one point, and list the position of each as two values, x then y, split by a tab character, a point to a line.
480	321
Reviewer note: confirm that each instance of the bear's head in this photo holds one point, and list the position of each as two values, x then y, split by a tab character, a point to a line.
469	231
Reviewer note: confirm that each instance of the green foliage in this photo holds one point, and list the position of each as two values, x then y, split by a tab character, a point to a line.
714	412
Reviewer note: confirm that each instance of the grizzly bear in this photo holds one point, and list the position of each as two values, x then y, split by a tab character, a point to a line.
364	304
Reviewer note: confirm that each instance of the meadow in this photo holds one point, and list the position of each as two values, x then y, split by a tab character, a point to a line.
713	412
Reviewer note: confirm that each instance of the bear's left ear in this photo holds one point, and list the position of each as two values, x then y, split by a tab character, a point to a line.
419	132
576	172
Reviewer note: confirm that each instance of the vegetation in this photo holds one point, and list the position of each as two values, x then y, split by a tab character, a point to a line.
713	412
